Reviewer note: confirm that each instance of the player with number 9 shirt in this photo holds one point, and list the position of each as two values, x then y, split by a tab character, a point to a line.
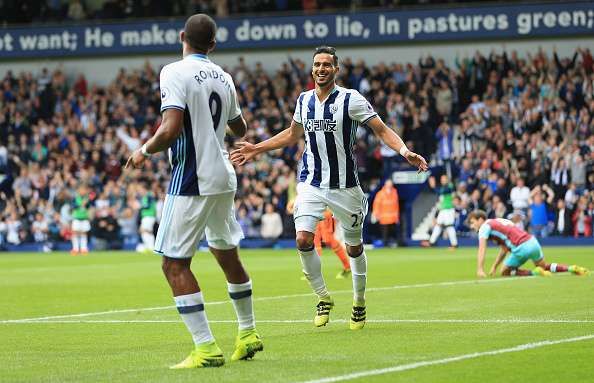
198	100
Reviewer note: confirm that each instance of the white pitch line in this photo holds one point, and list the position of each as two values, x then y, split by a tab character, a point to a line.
293	321
258	299
474	355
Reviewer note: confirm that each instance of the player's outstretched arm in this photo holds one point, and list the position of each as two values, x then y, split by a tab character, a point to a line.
171	127
390	138
246	151
498	260
482	250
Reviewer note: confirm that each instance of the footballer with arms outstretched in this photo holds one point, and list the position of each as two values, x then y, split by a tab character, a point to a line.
512	240
329	116
198	100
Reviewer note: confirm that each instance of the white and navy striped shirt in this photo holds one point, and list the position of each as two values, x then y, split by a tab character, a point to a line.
330	130
200	162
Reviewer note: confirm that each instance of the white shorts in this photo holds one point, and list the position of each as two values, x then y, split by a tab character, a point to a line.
348	205
81	226
186	219
446	217
147	224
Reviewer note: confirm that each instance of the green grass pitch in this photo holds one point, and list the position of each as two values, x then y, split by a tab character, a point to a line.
429	320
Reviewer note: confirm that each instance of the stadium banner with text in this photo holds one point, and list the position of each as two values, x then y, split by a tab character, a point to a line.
454	24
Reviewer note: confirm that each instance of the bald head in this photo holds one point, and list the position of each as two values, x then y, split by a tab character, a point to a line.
199	32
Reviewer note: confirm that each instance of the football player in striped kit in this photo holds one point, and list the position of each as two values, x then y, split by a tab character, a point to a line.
198	102
329	116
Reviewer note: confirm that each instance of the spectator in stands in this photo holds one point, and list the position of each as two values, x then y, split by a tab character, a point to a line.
511	117
578	173
538	213
3	230
444	136
272	224
582	221
444	100
40	230
56	232
559	175
386	211
563	219
571	196
520	195
128	226
13	229
76	10
105	230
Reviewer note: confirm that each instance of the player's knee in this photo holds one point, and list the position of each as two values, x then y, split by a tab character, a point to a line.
355	251
173	267
506	272
305	241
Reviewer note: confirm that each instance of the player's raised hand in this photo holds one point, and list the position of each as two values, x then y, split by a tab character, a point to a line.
417	161
244	152
136	160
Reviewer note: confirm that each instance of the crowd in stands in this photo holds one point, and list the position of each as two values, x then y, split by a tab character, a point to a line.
515	133
52	11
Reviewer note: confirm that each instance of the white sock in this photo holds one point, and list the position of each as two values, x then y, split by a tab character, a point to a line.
75	242
241	297
148	240
435	234
359	274
452	235
191	309
312	268
83	242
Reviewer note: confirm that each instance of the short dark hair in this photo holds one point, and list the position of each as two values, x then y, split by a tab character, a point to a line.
326	49
200	31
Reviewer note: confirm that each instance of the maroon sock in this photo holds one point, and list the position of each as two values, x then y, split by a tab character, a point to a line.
521	273
556	267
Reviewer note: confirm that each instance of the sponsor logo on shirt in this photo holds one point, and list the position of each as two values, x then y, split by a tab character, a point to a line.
325	125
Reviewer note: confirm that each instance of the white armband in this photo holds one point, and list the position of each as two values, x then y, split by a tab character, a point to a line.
404	150
144	151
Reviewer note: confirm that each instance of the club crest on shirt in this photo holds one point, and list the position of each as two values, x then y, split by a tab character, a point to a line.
333	108
164	93
369	107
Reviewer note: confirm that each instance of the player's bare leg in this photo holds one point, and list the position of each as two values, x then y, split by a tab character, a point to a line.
561	268
312	269
190	305
239	285
231	265
358	261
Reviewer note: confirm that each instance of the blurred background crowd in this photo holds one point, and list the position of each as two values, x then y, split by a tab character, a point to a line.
515	134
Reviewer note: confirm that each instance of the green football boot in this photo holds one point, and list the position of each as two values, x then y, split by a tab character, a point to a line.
247	344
